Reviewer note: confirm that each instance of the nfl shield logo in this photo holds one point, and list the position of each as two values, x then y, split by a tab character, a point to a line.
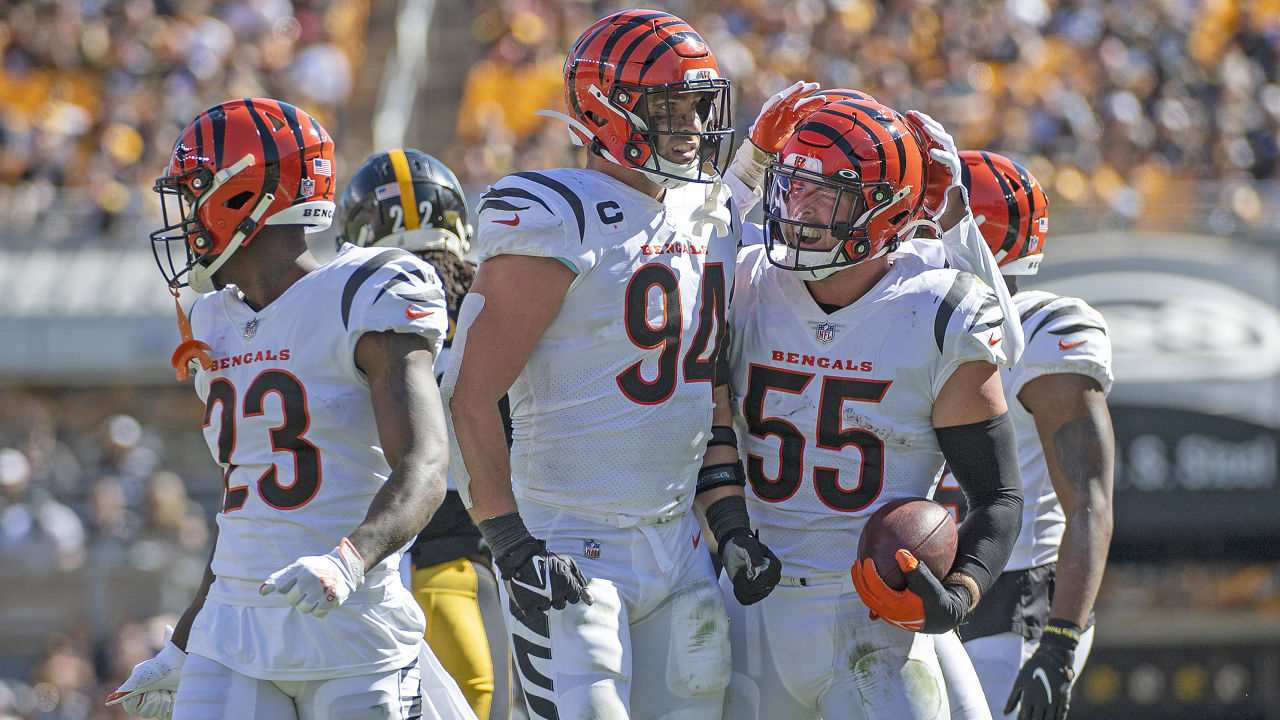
826	332
307	188
251	329
591	549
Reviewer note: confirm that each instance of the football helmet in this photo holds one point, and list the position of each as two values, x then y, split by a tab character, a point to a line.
854	172
1011	208
237	167
625	79
407	199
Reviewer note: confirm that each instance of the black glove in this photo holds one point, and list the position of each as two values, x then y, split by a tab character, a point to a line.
537	580
945	604
749	563
1044	683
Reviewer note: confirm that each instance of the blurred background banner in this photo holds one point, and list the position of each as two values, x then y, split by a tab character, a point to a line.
1154	126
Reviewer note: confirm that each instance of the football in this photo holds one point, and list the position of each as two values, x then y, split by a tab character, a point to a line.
922	526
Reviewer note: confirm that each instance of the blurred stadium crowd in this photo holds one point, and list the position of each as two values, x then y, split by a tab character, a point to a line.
98	536
1130	104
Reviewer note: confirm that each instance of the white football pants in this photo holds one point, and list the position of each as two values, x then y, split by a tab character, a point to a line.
210	690
655	644
810	652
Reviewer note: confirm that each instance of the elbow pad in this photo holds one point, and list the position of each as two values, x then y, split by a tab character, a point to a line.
984	460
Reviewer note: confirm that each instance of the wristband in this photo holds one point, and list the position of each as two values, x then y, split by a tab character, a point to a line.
721	475
723	435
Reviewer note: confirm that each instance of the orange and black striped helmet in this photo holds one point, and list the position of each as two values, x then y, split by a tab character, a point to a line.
237	167
1011	208
854	170
625	67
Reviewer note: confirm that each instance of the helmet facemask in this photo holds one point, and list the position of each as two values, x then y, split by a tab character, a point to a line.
818	224
674	117
181	197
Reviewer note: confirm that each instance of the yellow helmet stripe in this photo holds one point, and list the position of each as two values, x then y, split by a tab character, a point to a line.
408	203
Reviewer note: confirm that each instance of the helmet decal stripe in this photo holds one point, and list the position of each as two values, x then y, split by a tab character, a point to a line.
218	120
830	133
1024	234
270	153
1015	219
404	178
574	203
576	54
199	138
291	119
621	30
626	54
666	45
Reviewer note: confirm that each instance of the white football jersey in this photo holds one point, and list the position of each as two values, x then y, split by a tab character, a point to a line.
288	416
835	410
613	409
1064	336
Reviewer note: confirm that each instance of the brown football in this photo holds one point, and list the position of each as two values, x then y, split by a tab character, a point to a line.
922	526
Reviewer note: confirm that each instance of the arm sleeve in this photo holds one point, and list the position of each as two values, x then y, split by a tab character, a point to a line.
968	327
526	216
1064	337
983	458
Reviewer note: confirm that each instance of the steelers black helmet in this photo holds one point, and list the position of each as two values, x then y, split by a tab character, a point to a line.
407	199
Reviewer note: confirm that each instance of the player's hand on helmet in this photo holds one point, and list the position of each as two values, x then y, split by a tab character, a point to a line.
317	584
781	113
927	605
778	119
537	579
151	686
1043	686
945	166
751	565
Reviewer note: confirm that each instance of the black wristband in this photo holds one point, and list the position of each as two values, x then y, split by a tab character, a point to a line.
720	475
727	518
505	533
723	435
1062	633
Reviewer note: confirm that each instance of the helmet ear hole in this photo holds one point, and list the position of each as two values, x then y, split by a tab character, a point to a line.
238	200
595	118
899	217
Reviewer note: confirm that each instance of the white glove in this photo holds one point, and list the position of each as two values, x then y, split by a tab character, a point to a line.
317	584
150	688
945	153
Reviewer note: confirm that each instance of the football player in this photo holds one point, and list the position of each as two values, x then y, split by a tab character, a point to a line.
1030	636
600	305
322	410
407	199
855	373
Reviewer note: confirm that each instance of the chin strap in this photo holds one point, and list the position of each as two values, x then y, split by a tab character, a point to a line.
190	348
712	211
